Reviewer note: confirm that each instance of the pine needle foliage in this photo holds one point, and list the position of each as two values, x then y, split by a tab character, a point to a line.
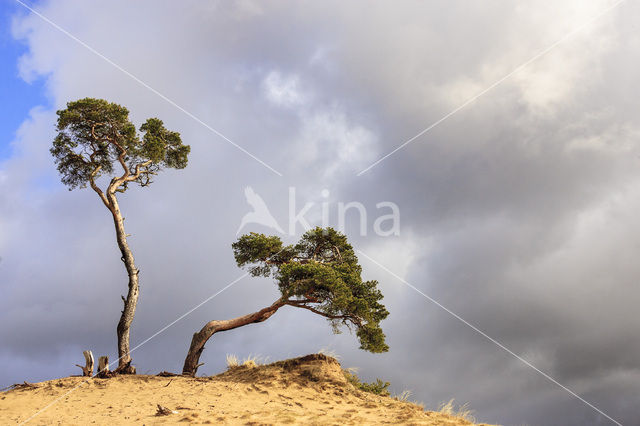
95	135
321	274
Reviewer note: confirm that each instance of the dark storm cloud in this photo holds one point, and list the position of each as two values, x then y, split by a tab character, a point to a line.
516	213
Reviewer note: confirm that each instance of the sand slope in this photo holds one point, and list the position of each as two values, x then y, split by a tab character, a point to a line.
307	390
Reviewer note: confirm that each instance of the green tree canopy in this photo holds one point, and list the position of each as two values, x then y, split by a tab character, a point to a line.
321	274
94	135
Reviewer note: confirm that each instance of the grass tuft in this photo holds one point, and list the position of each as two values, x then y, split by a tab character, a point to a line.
249	362
232	361
329	352
462	412
403	396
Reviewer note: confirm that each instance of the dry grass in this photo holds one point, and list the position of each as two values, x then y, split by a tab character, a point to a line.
232	361
403	396
329	352
462	412
352	370
251	361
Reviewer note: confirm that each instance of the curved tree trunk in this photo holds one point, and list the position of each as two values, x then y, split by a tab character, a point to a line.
130	302
191	363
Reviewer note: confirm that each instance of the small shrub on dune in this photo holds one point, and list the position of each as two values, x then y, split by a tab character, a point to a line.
378	387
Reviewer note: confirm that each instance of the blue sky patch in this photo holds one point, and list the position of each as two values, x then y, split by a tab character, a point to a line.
17	97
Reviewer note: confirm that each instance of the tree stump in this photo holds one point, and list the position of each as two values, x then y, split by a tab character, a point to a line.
87	369
103	366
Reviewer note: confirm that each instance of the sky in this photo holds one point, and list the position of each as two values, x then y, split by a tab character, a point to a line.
512	282
19	96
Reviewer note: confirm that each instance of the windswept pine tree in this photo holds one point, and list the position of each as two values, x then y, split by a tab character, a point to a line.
320	274
97	144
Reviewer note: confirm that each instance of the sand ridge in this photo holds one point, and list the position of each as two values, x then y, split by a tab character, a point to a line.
306	390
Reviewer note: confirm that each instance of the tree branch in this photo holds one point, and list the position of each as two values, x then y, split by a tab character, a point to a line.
139	171
92	181
191	363
116	183
302	304
100	193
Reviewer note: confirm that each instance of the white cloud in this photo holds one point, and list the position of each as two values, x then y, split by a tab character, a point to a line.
332	143
283	91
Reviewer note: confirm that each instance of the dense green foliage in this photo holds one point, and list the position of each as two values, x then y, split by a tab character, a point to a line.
320	273
94	135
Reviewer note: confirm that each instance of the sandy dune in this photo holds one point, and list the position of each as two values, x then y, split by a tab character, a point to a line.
307	390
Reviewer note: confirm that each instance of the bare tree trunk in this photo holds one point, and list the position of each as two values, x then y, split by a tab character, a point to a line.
191	363
130	302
